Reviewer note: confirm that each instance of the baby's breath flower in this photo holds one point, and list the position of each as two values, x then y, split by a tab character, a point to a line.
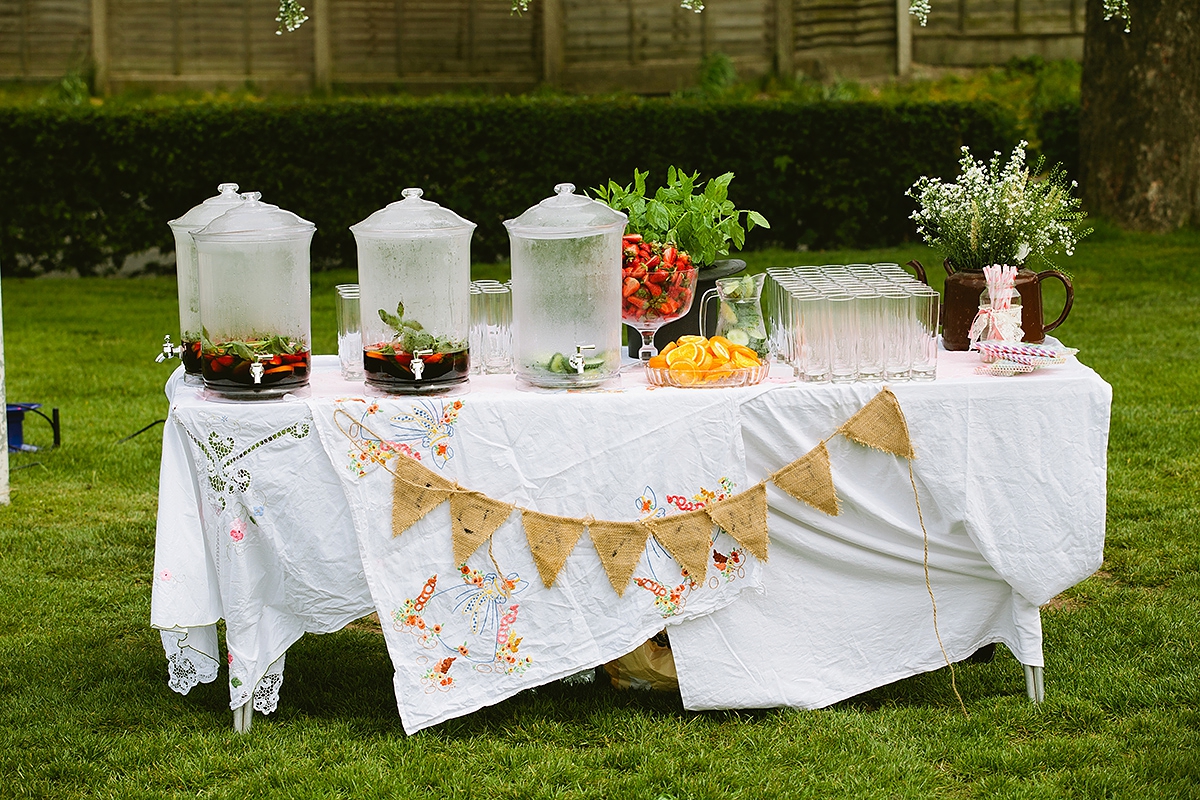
998	214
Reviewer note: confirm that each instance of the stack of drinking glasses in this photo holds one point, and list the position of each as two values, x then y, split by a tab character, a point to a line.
491	327
349	322
842	323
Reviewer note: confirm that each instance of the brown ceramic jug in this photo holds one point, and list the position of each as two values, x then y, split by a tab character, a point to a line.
961	304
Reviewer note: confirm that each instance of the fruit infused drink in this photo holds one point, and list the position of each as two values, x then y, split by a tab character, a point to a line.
264	366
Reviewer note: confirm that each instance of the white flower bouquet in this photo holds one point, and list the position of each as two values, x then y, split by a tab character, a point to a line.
995	214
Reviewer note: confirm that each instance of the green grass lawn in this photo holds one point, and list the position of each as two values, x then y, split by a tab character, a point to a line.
85	709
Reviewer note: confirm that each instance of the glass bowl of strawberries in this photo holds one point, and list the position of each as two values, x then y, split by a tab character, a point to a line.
658	284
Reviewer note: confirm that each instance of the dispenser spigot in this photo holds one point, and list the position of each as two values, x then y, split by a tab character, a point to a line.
418	366
576	361
257	370
169	350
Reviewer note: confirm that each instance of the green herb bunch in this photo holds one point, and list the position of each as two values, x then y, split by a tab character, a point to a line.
259	344
994	214
701	221
411	335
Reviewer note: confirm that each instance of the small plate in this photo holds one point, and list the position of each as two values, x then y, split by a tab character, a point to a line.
707	379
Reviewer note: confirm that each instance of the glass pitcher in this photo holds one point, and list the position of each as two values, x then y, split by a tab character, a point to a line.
739	314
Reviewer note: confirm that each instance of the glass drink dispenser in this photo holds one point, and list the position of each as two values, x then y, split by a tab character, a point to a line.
414	278
188	277
254	301
566	291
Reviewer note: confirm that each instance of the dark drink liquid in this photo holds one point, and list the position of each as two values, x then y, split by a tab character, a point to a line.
392	372
230	375
191	358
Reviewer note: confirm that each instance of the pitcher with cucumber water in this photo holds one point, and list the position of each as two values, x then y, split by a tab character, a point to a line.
739	315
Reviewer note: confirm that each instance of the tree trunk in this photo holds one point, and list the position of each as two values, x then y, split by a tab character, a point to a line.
1139	126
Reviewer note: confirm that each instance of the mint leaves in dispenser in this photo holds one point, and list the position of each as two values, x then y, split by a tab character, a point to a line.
254	301
566	291
414	278
187	272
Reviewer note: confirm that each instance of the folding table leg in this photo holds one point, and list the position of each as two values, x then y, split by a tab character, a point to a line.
1035	683
243	715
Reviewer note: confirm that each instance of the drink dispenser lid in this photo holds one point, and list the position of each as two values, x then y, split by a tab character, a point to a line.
412	216
199	216
566	215
255	221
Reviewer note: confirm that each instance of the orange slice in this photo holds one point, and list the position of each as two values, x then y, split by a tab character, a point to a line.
745	351
719	347
670	346
700	340
743	361
725	342
687	377
685	355
658	362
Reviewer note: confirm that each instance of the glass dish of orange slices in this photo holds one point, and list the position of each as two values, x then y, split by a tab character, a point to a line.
694	362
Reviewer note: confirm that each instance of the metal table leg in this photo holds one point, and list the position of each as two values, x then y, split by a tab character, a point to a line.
242	717
1035	683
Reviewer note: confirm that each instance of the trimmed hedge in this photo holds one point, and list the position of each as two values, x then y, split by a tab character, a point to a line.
1059	132
84	188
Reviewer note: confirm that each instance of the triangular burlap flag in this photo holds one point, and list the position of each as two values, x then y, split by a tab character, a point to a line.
880	424
744	517
551	539
687	537
474	517
619	545
809	479
415	492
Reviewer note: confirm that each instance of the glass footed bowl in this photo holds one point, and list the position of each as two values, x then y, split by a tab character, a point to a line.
707	378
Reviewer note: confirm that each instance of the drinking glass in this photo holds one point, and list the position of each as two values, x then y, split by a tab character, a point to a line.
349	322
497	345
843	341
871	348
926	302
477	329
813	336
899	313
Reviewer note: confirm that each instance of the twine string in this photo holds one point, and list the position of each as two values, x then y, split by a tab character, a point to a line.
929	588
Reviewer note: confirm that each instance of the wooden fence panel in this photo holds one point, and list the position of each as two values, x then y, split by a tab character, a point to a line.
638	45
42	39
845	38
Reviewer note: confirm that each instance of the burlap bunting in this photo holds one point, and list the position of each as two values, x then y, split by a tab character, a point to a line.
619	545
474	517
687	537
744	517
415	492
880	424
551	539
810	480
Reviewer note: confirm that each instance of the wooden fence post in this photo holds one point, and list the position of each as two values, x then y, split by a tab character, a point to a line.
553	47
785	39
322	46
100	45
904	39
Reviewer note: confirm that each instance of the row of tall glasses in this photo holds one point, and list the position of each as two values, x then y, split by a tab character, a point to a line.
491	327
842	323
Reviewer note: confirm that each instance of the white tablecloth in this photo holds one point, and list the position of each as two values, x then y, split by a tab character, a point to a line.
268	520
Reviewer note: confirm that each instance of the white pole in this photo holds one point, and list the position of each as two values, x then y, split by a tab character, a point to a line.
3	419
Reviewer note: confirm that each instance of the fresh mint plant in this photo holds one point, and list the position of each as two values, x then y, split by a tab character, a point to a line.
699	220
411	335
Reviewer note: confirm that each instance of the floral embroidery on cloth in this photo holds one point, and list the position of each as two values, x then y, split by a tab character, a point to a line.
668	601
431	426
428	426
479	613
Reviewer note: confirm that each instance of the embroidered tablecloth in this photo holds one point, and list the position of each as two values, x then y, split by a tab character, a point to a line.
271	518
